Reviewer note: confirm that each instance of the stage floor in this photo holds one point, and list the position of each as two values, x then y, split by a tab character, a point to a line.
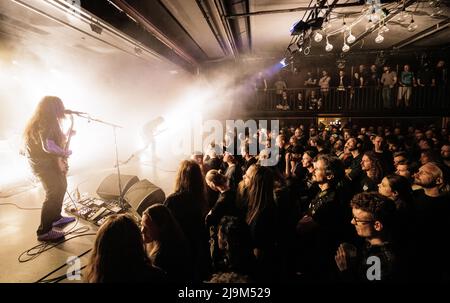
18	226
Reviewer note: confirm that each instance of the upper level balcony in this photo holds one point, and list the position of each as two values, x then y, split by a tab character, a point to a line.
416	101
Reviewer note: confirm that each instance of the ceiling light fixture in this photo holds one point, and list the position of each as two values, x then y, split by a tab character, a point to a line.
379	38
351	38
328	47
345	48
318	37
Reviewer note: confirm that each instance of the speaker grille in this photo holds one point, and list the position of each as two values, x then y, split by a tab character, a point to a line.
144	194
109	188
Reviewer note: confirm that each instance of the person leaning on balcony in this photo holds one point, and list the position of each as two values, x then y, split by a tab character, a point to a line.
280	86
388	80
324	84
406	82
343	82
310	83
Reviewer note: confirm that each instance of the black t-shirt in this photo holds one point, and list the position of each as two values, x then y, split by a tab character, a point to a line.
431	212
386	161
188	213
366	184
362	270
264	229
355	166
431	229
234	175
35	152
225	206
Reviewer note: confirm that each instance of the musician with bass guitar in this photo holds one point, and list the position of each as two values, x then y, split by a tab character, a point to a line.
47	152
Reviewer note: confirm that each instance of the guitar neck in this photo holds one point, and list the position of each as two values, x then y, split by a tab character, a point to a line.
69	136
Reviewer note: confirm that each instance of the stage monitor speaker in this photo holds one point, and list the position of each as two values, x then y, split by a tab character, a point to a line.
144	194
109	188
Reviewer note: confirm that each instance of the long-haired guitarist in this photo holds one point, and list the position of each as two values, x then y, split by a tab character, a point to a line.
47	152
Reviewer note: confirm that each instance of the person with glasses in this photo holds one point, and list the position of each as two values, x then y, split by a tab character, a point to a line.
373	217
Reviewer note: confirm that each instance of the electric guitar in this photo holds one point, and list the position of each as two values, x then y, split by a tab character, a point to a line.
63	162
138	152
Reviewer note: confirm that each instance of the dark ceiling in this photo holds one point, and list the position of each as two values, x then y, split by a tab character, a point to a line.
194	33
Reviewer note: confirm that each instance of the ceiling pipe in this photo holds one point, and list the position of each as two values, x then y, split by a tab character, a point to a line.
248	26
220	9
128	9
87	18
289	10
212	26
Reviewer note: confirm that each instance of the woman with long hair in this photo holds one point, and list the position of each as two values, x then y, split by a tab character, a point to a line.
166	243
119	254
372	172
188	206
262	218
242	190
45	146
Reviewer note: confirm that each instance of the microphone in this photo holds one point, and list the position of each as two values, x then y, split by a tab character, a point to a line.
70	112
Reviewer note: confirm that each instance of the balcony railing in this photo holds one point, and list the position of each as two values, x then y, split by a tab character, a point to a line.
359	100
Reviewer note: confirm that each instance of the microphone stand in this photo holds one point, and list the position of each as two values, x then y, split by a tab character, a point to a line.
115	127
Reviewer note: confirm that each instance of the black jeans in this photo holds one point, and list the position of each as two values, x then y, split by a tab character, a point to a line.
55	184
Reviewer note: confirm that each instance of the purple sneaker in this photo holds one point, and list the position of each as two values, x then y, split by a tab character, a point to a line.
63	221
51	236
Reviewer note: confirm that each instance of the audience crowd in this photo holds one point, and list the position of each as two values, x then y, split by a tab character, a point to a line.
359	204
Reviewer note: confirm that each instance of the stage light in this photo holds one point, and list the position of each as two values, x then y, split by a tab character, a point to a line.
283	63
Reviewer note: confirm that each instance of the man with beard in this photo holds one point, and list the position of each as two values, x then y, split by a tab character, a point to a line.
323	225
382	154
431	215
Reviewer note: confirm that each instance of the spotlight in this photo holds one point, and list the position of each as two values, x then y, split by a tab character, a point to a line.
95	27
283	63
